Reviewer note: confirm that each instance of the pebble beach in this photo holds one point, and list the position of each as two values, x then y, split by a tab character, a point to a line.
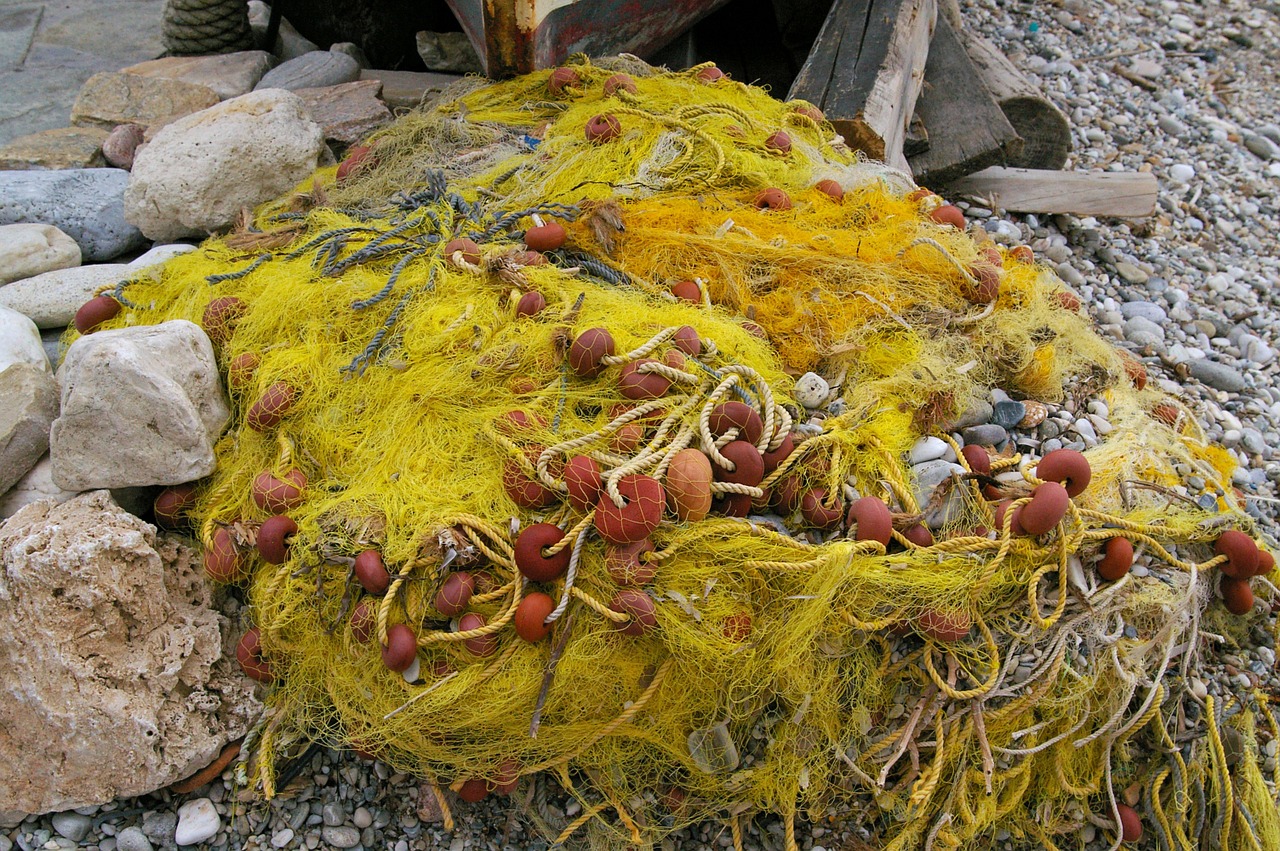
1185	91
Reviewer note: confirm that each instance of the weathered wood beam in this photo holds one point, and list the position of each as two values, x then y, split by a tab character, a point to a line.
1119	194
967	130
866	69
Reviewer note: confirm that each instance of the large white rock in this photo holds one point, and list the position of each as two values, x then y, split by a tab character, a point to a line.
140	406
28	405
52	299
29	249
199	172
20	340
119	677
38	485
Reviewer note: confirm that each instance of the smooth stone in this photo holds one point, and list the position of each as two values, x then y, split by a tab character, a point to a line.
132	839
978	412
196	175
406	89
1261	146
282	838
160	254
122	144
362	818
1219	376
1143	332
1182	173
311	70
928	476
20	341
290	44
340	836
985	434
112	98
347	112
812	390
52	299
1252	440
140	406
1085	429
1008	413
1174	128
332	814
72	825
229	75
354	51
198	821
28	407
30	249
927	449
87	204
62	147
1131	273
36	485
1148	310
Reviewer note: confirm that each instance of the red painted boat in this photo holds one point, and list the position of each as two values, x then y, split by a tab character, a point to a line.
518	36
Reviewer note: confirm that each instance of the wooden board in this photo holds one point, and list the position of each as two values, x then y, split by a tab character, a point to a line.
967	129
866	69
1119	194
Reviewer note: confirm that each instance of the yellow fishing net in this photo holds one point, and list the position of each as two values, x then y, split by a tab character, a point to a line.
436	408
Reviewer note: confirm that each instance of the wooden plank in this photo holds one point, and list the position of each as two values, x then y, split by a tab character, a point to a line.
866	69
1045	132
1119	194
967	130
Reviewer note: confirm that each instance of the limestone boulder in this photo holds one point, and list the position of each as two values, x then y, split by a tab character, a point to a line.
28	406
197	173
38	485
87	204
112	98
52	299
27	250
140	406
120	677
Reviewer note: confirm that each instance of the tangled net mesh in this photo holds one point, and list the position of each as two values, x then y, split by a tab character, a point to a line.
389	396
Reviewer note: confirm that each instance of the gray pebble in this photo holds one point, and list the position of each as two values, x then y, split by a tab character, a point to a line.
1143	332
1219	376
1252	440
1008	413
72	825
979	412
160	826
1148	310
316	69
1131	273
1085	429
132	839
362	818
332	814
987	434
341	836
1172	126
1261	146
282	838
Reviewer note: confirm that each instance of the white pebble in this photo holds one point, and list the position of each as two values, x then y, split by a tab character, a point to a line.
812	390
928	449
197	822
1182	173
282	838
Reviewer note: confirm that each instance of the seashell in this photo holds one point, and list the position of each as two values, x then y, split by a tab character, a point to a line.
1035	414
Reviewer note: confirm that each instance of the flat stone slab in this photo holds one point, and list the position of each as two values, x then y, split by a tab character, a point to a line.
228	75
347	112
52	299
63	147
87	204
405	89
112	98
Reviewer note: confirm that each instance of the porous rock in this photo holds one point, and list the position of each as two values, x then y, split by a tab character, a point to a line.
28	405
62	147
140	406
52	299
347	112
120	678
311	70
112	98
20	341
196	174
229	75
87	204
29	249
